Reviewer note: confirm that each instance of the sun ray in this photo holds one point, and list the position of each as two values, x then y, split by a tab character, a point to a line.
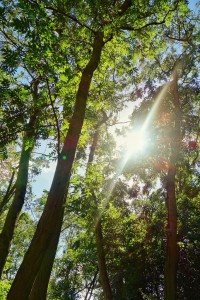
136	142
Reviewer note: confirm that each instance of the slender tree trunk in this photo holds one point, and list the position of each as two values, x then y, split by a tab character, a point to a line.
171	263
49	226
91	286
9	193
105	283
104	279
172	250
18	200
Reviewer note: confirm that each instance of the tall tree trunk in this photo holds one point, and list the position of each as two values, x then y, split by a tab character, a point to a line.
105	283
39	291
172	250
49	226
171	263
104	279
18	200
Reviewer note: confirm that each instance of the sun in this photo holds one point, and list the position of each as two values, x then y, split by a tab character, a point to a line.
135	142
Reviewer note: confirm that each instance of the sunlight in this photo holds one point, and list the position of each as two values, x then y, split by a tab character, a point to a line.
136	142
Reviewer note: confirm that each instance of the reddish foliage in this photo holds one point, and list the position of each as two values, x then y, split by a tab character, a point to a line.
192	145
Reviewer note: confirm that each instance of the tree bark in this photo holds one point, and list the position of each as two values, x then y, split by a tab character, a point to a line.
171	262
18	200
39	291
49	226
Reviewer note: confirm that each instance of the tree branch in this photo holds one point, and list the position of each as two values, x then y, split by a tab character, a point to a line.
55	116
9	192
186	40
127	27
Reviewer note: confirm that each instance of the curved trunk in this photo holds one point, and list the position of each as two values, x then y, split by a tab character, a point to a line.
171	262
49	226
18	200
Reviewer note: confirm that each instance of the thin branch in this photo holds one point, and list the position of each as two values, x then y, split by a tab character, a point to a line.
55	116
130	28
71	17
9	38
125	122
127	27
39	153
186	40
91	285
9	192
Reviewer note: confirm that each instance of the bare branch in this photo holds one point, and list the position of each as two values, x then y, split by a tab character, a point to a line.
186	40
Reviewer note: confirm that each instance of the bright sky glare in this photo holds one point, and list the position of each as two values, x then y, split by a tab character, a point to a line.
135	142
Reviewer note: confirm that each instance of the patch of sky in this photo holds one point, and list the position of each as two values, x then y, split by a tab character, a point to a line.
44	179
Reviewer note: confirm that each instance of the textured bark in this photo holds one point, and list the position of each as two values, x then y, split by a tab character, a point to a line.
49	226
39	291
172	247
18	200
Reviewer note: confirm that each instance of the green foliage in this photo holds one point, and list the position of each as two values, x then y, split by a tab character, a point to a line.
45	48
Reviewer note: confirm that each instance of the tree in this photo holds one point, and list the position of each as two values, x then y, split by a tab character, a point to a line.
94	30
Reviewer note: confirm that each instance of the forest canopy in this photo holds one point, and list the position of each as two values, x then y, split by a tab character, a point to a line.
100	98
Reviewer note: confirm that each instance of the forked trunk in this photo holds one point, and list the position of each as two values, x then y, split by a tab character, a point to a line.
48	230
